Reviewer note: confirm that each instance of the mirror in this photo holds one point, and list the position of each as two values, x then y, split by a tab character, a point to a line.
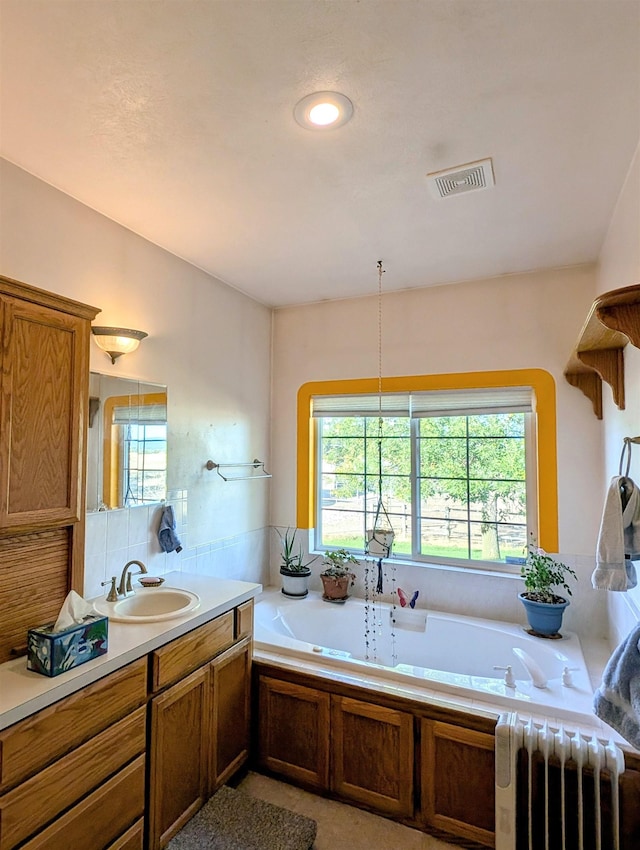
127	443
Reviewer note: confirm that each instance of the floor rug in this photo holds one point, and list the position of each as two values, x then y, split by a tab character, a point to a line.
232	820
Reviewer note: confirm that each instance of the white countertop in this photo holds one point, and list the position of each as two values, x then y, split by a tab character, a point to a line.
23	692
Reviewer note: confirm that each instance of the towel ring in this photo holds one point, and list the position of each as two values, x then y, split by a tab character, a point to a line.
626	450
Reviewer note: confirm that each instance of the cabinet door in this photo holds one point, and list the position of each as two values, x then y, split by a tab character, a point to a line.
372	755
458	770
42	413
230	712
178	756
294	732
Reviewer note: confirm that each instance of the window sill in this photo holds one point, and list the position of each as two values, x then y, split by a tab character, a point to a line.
509	571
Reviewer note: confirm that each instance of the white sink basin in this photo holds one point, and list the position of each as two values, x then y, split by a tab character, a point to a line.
150	605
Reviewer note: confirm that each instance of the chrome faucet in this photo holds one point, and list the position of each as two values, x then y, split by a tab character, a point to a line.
125	588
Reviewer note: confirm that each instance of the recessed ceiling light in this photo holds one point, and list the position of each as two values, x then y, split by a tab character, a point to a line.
323	110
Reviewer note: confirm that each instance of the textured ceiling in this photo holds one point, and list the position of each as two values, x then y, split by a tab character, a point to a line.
174	118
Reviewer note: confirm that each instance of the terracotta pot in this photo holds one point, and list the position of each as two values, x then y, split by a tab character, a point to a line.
336	587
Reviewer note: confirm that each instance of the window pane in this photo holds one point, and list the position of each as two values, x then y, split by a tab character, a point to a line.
444	539
443	458
497	425
498	501
345	454
346	490
391	426
343	529
352	426
494	542
497	458
396	456
443	426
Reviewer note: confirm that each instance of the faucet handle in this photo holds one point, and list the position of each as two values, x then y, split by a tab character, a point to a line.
112	596
567	678
509	678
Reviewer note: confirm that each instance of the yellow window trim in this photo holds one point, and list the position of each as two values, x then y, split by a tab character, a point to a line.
111	465
540	380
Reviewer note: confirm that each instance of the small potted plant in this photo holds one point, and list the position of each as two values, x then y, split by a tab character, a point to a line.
338	575
542	574
293	569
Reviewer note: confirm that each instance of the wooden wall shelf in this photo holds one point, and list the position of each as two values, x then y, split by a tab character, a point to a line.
613	321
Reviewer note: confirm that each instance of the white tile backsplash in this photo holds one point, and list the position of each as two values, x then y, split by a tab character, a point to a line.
114	537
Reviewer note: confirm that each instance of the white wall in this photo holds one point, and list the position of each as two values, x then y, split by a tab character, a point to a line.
207	342
619	266
511	322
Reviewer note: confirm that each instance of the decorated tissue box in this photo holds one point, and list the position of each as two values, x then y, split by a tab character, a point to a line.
52	653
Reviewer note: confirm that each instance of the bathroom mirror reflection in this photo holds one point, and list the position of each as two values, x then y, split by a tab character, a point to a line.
127	443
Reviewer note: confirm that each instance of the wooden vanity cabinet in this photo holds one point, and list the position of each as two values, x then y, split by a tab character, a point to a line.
82	754
44	375
200	719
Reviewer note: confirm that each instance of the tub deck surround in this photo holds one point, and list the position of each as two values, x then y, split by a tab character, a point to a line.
23	692
449	663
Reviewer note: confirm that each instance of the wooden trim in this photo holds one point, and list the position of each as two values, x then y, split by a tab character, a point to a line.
330	685
26	292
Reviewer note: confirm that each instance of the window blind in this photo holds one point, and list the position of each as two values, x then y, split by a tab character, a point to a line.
465	402
145	414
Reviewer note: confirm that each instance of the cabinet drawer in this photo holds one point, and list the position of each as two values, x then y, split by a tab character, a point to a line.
133	839
187	653
244	620
38	800
35	742
101	818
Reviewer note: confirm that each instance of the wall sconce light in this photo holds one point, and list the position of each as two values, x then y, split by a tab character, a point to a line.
117	341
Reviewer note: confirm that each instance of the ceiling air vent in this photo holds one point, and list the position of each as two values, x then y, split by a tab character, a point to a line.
470	177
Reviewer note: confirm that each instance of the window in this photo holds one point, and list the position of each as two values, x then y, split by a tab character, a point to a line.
135	451
464	468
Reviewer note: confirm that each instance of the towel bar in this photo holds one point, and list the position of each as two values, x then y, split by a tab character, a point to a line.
255	464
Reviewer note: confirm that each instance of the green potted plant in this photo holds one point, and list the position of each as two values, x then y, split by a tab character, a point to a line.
337	575
293	569
542	574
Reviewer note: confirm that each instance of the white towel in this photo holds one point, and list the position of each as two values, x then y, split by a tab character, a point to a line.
619	534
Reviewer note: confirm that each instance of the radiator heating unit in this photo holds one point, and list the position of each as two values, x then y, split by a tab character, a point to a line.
557	787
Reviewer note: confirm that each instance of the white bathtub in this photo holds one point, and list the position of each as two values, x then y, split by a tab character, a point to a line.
443	652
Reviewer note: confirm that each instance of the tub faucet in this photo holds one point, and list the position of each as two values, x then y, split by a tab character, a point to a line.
125	588
532	667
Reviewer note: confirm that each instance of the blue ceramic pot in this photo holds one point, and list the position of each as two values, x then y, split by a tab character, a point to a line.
544	617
